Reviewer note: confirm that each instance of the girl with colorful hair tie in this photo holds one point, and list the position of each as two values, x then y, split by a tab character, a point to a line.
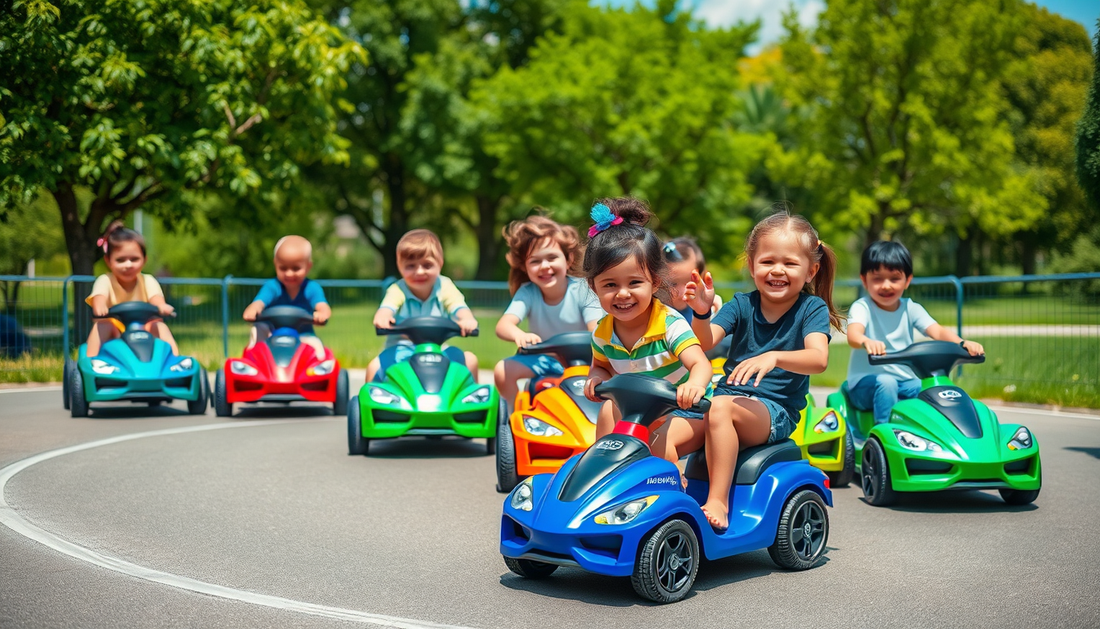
625	266
780	336
543	256
124	253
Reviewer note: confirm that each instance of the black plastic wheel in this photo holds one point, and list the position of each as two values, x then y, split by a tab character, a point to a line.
222	407
357	444
667	563
1019	497
198	405
65	382
844	477
78	405
803	532
491	442
875	475
507	478
340	406
530	569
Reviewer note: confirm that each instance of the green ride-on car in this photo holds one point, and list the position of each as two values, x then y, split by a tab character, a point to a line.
429	394
941	439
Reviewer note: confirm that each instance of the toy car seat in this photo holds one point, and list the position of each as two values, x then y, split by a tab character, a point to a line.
751	462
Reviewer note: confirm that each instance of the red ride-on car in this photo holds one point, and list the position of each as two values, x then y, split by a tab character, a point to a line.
282	369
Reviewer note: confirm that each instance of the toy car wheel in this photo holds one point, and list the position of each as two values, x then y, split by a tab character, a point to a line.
78	406
340	406
667	563
1019	497
65	383
222	407
803	532
491	442
198	405
844	477
530	569
875	471
507	478
357	444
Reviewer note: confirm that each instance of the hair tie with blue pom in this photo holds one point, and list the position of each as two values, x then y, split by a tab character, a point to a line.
604	218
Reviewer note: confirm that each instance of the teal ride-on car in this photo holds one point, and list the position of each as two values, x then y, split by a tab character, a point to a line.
940	440
429	394
137	367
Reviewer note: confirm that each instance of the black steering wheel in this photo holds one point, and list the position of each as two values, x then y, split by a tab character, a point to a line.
133	313
929	358
421	330
286	317
572	348
644	399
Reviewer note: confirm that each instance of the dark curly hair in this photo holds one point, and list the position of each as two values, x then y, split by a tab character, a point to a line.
611	246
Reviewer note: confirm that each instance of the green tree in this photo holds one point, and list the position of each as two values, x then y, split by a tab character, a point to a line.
140	101
28	232
903	128
1088	134
628	103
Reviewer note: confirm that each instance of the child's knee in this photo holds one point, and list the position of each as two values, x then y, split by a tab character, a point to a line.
887	384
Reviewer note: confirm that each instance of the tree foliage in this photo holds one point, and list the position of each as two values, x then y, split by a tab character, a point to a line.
1088	134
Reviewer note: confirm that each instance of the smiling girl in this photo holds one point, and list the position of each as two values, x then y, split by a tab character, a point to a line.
780	335
625	266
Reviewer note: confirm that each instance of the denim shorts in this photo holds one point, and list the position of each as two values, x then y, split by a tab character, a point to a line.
403	351
542	365
782	421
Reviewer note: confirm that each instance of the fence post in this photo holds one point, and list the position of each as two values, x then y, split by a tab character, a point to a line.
958	312
225	315
65	317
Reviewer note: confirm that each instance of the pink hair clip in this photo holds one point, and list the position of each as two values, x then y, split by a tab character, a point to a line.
102	242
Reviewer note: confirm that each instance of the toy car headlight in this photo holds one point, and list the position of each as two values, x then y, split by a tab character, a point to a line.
522	496
539	428
480	396
829	423
103	367
322	369
379	395
182	365
242	369
1021	440
918	444
625	513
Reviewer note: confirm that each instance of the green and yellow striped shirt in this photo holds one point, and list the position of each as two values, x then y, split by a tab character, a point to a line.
656	353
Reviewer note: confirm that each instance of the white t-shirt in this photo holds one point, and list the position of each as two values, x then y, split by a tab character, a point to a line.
893	328
573	313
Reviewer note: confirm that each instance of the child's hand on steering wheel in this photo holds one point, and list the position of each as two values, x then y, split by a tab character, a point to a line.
253	310
467	325
874	348
687	394
320	317
527	338
99	311
590	388
165	310
383	319
699	292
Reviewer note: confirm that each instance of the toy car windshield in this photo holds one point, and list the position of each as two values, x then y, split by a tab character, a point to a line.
644	399
573	348
928	359
422	330
133	312
286	317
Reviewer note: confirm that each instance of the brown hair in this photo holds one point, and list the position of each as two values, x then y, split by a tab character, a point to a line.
523	236
678	248
417	244
630	237
812	247
117	233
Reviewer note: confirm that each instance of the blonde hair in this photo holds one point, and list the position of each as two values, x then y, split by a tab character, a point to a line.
307	246
523	236
418	244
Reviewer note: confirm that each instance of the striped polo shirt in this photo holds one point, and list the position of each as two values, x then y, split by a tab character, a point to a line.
655	354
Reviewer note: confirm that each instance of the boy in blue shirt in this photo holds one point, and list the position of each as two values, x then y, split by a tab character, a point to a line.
883	321
293	260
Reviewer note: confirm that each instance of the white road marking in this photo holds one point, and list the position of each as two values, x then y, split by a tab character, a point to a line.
11	519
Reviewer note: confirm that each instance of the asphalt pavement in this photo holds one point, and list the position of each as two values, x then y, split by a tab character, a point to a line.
287	530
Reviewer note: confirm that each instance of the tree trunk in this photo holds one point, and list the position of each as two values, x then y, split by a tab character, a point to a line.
874	232
11	296
964	256
80	238
489	241
398	222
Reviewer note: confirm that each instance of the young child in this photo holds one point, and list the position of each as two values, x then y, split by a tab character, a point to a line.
625	267
780	336
541	254
293	260
883	321
124	253
683	256
421	292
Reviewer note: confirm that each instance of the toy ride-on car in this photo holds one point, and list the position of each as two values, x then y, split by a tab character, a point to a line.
137	367
941	439
552	420
619	511
826	443
281	368
427	395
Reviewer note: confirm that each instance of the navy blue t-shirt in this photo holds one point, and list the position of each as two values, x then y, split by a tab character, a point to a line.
753	335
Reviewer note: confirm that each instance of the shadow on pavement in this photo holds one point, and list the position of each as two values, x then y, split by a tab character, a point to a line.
1093	452
138	410
426	448
279	412
963	501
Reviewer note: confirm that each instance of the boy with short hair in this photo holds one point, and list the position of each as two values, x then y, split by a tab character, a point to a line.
293	260
883	321
683	256
421	292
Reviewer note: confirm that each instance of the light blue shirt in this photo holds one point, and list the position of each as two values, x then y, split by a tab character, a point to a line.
895	329
573	313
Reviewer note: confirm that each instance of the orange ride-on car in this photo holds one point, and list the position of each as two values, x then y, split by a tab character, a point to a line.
552	420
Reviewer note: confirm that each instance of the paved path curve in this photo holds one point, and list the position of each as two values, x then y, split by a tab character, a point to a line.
409	537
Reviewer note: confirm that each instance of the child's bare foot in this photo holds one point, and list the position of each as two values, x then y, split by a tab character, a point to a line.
718	516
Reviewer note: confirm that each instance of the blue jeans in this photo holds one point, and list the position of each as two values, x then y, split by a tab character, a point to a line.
880	393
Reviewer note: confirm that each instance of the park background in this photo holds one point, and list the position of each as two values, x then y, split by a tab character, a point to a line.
969	130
